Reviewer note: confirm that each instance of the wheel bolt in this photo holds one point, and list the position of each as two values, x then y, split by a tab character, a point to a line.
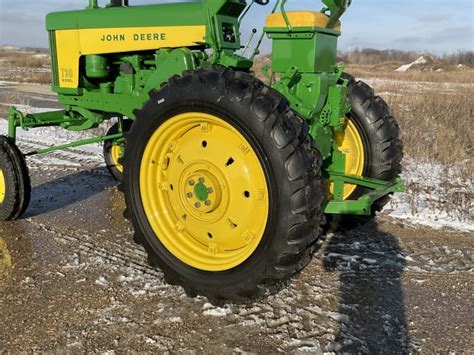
210	190
191	182
201	180
197	205
189	195
207	203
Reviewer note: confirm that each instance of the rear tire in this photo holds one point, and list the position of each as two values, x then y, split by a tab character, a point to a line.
380	134
15	185
290	164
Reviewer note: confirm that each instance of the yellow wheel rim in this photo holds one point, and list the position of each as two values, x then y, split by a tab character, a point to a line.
2	186
115	153
204	191
349	142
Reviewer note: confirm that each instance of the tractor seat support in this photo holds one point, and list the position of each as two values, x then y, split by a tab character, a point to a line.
300	19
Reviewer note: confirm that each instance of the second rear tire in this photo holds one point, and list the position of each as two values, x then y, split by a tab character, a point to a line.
373	141
379	132
15	185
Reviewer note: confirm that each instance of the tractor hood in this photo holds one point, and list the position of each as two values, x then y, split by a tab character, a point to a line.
177	14
188	14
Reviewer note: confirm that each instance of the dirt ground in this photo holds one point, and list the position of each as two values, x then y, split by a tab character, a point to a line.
72	280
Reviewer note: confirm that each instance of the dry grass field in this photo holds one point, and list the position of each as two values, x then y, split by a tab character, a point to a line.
25	66
435	111
24	59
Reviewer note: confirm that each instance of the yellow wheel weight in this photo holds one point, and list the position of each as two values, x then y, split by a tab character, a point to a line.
115	153
204	191
349	142
3	187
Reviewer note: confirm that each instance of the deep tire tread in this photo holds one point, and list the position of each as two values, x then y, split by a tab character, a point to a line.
303	174
383	134
17	178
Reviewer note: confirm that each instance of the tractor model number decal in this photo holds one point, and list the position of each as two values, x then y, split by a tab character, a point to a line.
135	37
67	75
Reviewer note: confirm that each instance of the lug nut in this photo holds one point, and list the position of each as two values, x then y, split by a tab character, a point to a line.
197	205
207	203
201	180
210	190
191	182
189	195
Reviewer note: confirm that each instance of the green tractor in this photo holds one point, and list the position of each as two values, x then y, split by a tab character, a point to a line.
227	180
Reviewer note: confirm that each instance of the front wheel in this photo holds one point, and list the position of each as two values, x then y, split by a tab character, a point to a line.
113	151
223	186
15	186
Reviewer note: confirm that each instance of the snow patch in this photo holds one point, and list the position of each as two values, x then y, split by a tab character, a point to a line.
40	56
11	48
5	83
102	280
432	197
210	310
420	61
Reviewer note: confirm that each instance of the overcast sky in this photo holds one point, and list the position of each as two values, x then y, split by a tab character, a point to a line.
439	26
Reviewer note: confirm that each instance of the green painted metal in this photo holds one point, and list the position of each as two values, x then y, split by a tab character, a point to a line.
185	14
93	4
201	191
336	9
285	16
318	45
115	85
363	205
97	67
76	144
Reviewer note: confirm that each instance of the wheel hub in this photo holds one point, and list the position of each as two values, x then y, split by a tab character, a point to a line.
202	187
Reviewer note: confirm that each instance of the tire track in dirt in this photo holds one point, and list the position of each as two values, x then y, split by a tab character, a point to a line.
111	252
309	315
280	316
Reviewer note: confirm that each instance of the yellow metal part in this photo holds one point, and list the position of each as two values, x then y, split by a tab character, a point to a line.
204	191
116	152
350	143
72	44
300	19
3	187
